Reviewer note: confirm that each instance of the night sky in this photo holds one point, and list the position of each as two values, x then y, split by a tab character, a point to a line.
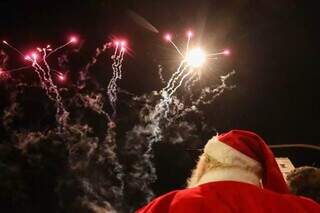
274	51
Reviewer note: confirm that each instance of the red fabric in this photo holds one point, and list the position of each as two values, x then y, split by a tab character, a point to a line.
227	197
253	146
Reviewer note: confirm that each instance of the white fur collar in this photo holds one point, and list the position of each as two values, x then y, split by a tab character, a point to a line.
230	174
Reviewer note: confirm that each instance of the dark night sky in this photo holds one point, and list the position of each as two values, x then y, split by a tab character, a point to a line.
274	48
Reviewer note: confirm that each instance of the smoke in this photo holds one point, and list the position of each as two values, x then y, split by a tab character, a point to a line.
139	20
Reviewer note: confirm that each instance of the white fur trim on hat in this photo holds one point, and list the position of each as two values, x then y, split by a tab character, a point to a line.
230	174
227	155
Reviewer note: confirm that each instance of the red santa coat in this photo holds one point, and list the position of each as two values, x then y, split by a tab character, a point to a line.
227	197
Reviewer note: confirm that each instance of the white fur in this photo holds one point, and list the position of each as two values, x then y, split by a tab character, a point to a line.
230	156
229	174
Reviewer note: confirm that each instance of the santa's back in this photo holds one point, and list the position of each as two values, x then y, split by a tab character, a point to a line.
227	197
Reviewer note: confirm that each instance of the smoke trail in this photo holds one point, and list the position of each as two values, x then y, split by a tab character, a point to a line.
142	21
208	95
191	82
83	76
98	171
139	171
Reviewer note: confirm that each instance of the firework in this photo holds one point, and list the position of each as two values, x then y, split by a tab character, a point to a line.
192	59
38	60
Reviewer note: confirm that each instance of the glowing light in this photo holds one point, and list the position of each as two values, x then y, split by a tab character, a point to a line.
226	52
27	57
3	74
189	34
5	42
73	39
61	77
34	56
116	43
168	37
196	57
123	43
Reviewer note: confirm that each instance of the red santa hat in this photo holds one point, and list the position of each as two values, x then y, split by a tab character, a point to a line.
246	149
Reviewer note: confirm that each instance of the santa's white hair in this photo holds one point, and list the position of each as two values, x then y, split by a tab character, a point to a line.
209	169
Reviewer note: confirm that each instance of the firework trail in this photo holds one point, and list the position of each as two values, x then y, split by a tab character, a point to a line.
160	70
41	67
117	59
175	76
174	83
180	82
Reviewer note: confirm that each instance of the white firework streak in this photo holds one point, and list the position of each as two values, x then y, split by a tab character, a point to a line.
181	80
37	71
50	88
112	90
165	92
62	113
162	108
169	84
172	86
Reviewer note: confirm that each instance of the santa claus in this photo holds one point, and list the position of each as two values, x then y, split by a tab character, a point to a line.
237	172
